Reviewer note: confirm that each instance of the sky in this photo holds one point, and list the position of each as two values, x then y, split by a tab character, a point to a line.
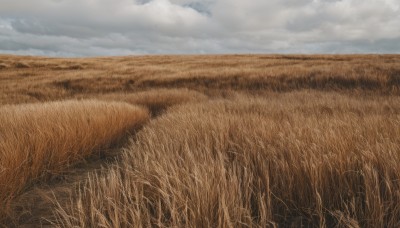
136	27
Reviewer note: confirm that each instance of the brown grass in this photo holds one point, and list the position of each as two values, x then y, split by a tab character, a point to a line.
39	140
235	141
283	161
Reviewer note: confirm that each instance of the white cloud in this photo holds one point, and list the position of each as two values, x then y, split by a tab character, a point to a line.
119	27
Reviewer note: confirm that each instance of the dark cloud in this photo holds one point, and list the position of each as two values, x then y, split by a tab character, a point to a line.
199	7
120	27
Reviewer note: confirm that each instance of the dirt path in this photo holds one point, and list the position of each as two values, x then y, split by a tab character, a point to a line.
36	206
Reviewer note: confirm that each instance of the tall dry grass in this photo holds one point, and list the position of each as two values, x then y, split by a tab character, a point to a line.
41	140
241	140
289	160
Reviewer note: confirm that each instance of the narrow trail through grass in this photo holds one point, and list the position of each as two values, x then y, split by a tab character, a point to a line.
37	205
39	141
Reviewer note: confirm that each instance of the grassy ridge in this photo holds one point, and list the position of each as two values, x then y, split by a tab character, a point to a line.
38	140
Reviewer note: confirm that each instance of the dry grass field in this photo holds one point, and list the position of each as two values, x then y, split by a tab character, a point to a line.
200	141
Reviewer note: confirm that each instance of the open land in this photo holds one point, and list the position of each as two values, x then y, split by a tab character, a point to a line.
200	141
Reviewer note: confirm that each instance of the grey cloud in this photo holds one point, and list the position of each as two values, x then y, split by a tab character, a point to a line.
142	2
121	27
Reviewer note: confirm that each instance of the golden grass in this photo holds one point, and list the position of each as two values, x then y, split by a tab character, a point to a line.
235	141
289	160
40	140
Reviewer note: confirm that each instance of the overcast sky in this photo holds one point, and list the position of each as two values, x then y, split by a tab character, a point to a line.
126	27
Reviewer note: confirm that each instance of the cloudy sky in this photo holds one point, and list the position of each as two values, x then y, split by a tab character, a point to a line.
126	27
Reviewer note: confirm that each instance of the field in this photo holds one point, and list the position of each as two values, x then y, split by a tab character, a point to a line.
200	141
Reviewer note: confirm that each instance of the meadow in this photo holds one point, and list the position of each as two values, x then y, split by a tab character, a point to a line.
200	141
